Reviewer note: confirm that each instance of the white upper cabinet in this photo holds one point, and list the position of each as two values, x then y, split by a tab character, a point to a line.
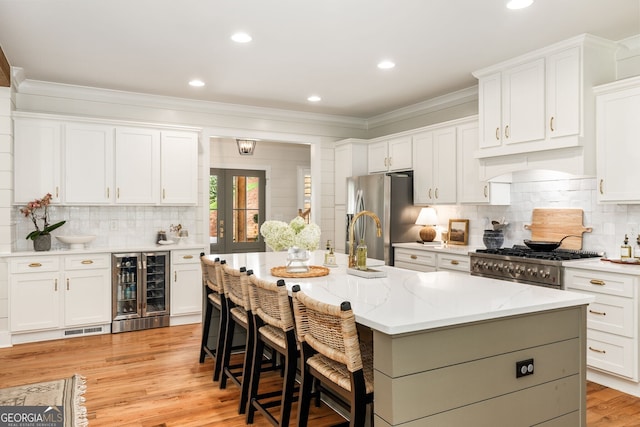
350	160
542	100
471	189
434	177
37	157
390	155
137	165
88	163
618	153
179	167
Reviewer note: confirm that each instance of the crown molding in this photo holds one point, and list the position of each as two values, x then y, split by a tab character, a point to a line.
452	99
110	96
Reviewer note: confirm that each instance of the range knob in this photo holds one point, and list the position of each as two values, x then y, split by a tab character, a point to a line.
532	272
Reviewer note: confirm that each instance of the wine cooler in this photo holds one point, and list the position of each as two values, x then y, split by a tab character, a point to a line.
140	291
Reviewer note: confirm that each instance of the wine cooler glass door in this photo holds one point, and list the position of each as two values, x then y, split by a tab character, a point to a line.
125	286
156	289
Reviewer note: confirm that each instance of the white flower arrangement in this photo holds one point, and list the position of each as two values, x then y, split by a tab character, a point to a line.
279	235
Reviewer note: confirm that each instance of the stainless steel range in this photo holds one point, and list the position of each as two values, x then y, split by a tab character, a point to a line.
524	265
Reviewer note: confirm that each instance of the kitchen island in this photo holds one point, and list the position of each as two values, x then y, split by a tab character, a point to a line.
447	345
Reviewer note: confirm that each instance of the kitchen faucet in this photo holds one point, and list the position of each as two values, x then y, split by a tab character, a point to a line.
352	256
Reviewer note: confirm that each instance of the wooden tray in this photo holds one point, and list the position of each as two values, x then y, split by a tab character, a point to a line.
619	261
314	271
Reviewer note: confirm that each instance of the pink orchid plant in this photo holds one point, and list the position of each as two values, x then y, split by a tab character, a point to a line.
33	210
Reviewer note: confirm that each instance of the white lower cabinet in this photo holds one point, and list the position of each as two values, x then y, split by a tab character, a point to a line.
186	282
414	256
59	292
612	320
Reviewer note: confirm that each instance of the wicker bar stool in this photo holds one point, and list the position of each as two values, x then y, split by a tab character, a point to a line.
235	284
273	320
214	300
332	353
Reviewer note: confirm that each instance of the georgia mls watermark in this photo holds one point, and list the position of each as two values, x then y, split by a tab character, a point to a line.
31	416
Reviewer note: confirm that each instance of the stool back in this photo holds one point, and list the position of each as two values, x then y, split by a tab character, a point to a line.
210	274
234	283
328	329
270	302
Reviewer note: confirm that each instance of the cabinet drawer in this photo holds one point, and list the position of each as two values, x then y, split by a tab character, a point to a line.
186	256
453	262
612	353
34	264
611	314
415	267
415	257
600	282
89	261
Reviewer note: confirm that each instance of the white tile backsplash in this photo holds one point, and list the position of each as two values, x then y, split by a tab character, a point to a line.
114	226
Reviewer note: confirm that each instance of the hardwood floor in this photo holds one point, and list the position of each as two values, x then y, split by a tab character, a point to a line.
152	378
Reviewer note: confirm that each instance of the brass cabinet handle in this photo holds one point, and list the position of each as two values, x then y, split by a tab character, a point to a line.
87	261
486	191
118	193
108	193
55	285
188	257
67	283
506	131
599	313
175	276
497	134
597	350
601	186
429	193
414	256
454	262
163	194
35	264
57	192
436	193
597	282
551	124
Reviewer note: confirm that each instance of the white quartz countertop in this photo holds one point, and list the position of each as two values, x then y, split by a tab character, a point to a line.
598	265
407	301
100	250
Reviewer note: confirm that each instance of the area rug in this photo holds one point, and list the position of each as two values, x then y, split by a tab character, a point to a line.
65	396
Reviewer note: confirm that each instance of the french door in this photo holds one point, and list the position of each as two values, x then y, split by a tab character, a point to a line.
236	210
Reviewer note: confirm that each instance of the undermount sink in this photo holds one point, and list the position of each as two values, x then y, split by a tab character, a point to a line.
77	242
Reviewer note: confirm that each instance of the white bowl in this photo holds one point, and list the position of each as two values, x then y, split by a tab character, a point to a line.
77	242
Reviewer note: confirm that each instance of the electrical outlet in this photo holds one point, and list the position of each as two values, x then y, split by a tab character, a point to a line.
524	368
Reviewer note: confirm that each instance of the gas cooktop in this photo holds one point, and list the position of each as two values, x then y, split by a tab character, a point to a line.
520	251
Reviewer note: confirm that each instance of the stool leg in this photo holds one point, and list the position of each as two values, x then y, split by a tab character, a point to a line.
220	344
247	368
304	397
205	330
289	379
226	356
255	379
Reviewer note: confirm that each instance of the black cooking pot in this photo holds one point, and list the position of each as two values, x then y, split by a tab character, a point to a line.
545	246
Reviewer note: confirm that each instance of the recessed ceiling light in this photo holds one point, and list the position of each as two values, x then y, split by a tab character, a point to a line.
519	4
314	98
386	64
241	38
196	83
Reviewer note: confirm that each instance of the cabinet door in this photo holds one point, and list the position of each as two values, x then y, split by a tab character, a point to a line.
490	110
37	157
564	93
444	165
400	154
88	164
378	157
186	284
423	174
523	103
617	150
87	297
470	188
179	167
137	166
34	301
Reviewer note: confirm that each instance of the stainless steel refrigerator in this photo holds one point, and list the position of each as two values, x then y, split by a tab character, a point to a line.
390	197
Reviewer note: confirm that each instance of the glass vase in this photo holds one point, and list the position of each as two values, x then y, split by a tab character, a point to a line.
298	260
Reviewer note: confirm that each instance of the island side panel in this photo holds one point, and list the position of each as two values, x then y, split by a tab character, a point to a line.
448	371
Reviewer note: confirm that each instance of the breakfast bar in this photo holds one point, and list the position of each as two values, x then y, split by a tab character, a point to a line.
454	349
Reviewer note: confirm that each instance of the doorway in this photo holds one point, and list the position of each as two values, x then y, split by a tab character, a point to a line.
236	210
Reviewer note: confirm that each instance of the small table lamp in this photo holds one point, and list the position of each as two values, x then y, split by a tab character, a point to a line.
428	218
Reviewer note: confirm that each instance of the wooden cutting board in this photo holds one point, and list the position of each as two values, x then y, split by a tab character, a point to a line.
551	225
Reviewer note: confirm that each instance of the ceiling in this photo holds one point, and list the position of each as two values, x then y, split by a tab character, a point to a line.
299	48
